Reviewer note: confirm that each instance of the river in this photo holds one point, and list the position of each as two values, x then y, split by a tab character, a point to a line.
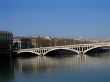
76	68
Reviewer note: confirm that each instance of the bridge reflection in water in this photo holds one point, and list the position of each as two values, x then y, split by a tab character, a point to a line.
47	64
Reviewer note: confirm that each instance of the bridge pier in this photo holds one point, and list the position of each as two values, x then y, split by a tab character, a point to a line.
81	53
41	55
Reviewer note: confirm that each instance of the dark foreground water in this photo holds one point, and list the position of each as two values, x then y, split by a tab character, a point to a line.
78	68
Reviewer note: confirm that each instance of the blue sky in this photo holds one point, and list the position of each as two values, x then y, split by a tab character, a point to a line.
69	18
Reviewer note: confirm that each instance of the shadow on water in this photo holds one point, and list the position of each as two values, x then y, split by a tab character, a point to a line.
26	54
61	53
98	52
6	68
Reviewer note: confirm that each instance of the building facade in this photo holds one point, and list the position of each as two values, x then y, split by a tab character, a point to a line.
6	41
21	42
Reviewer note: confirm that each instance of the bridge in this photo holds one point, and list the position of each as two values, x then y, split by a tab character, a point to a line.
80	48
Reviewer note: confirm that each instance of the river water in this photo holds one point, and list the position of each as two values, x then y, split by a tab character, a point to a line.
76	68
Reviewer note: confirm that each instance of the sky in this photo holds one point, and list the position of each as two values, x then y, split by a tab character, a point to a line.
62	18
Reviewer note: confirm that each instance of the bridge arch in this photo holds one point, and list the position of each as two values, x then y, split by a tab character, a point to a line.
77	52
92	48
20	52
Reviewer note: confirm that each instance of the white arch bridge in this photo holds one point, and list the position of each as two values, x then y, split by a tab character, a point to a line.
80	48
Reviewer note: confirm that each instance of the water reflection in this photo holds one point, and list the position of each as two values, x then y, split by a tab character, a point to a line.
45	64
6	70
39	68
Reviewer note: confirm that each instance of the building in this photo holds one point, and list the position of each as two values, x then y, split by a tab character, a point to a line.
33	42
21	42
6	41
